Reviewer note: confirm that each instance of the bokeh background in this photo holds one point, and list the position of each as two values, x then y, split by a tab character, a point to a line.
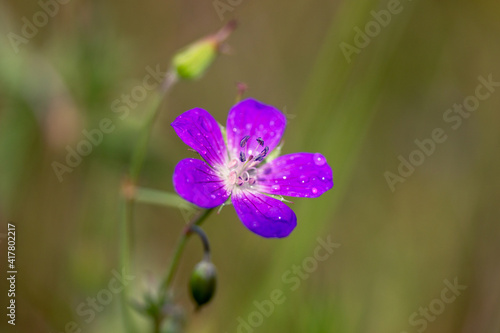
397	247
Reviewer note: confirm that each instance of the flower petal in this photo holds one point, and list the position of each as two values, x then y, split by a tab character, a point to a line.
196	182
295	175
200	131
263	215
255	119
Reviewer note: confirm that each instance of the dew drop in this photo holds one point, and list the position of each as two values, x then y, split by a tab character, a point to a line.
319	159
314	190
284	177
276	187
303	179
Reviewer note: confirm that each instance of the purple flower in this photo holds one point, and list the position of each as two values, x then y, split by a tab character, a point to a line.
241	167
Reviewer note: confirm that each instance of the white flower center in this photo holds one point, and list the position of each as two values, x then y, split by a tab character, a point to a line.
241	172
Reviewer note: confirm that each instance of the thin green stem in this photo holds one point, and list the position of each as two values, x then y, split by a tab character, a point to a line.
126	215
169	276
204	240
161	198
138	157
140	150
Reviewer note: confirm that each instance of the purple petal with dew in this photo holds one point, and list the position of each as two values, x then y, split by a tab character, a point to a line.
200	131
296	175
257	120
196	182
263	215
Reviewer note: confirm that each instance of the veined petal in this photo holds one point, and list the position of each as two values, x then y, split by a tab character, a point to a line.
257	120
295	175
200	131
196	182
263	215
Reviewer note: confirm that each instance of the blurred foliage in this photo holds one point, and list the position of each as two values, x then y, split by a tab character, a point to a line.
396	248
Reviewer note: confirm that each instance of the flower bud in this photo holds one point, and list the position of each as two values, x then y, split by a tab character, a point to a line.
203	282
192	62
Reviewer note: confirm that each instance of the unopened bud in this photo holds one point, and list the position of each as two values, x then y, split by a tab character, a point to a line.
192	62
203	282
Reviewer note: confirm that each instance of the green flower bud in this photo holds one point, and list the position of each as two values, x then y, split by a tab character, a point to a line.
203	282
192	62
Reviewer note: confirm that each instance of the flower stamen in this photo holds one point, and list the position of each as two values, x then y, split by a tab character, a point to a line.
242	157
243	141
262	154
244	166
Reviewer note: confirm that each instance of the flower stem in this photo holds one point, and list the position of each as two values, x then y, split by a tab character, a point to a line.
126	215
138	157
139	153
204	240
169	276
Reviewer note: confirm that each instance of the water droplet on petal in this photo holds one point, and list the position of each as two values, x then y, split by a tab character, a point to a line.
284	177
314	190
319	159
303	179
275	187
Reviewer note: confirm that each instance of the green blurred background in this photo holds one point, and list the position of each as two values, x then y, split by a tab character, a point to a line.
397	247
